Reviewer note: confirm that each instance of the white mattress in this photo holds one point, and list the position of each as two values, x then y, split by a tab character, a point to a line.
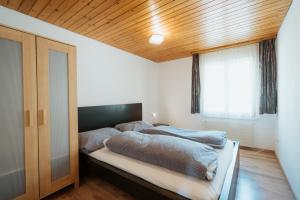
170	180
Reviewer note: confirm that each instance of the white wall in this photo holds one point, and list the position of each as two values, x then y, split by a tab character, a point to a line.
288	58
106	75
175	108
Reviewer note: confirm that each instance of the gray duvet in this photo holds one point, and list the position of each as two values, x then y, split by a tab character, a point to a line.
177	154
215	139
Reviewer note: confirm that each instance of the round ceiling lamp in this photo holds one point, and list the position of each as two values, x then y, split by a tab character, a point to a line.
156	39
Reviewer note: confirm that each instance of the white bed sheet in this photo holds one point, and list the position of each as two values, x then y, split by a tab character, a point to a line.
170	180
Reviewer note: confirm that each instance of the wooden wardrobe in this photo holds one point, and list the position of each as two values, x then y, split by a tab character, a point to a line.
38	116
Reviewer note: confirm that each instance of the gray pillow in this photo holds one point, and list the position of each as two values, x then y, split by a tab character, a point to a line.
92	140
133	126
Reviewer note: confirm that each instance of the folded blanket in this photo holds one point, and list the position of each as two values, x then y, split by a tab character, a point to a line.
177	154
215	139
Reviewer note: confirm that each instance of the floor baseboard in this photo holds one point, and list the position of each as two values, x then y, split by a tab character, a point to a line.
257	149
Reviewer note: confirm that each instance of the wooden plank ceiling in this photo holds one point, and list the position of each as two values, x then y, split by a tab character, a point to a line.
187	25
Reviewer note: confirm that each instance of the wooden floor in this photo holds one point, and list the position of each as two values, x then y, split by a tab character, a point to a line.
260	177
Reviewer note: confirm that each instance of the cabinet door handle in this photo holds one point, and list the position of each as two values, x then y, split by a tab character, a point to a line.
43	117
29	118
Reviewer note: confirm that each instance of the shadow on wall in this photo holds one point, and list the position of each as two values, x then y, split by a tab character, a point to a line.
259	133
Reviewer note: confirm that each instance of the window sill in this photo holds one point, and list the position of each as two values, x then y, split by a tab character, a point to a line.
254	119
214	118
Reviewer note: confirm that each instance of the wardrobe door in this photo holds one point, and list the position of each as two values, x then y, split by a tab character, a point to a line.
18	111
57	111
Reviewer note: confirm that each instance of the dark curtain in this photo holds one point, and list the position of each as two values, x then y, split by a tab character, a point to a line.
268	72
195	107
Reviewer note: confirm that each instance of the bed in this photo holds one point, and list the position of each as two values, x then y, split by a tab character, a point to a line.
173	185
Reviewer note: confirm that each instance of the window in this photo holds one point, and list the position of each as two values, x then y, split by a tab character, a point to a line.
229	83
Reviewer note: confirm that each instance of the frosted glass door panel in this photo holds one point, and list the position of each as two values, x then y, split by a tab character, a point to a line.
12	155
59	117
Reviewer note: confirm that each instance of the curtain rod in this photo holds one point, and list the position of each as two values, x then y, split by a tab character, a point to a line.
233	45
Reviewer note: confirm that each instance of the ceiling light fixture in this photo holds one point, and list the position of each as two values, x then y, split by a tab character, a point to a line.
156	39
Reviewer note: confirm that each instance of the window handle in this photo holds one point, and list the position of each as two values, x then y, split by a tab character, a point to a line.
28	118
43	117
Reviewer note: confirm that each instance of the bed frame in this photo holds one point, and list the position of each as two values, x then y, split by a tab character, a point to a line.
95	117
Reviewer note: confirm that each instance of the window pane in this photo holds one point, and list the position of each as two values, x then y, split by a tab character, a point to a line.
229	82
239	87
58	77
12	167
214	94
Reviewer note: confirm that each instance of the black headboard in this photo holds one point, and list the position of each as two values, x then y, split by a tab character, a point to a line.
95	117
